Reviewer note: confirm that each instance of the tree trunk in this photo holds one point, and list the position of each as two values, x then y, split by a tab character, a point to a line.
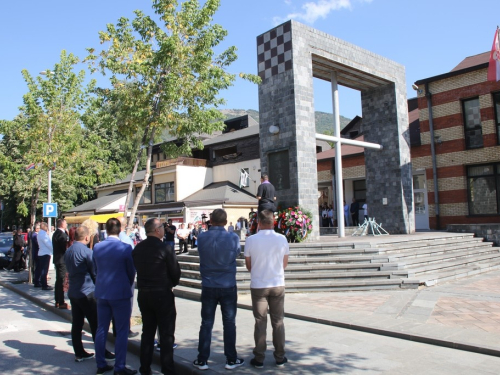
130	221
145	181
34	203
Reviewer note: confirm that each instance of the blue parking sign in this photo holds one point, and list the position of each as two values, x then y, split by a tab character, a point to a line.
50	210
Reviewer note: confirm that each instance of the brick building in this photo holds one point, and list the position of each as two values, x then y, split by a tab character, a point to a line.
460	112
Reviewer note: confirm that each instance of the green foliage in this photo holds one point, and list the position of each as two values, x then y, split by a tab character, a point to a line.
48	132
166	77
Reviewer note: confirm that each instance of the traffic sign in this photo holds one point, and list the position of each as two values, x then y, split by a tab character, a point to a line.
50	210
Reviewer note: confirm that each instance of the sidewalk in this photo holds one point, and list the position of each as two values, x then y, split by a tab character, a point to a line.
464	314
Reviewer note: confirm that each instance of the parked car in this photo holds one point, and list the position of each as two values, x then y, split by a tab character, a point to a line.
5	245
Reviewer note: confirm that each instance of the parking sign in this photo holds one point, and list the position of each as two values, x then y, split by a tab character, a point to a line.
50	210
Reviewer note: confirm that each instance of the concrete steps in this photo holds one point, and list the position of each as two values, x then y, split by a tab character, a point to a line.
384	263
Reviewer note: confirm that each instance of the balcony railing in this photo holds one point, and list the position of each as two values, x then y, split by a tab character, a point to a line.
182	161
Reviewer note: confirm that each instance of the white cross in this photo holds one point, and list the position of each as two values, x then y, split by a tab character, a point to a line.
336	138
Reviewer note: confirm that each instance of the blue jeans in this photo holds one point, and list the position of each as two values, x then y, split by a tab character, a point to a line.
44	262
170	243
228	298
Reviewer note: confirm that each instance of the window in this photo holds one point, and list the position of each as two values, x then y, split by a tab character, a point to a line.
359	188
482	189
225	152
472	123
146	197
496	103
164	192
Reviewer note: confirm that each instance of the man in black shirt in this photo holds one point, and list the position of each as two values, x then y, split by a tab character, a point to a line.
157	273
266	195
169	237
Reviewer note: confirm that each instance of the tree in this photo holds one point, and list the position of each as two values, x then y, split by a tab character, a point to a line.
166	77
49	134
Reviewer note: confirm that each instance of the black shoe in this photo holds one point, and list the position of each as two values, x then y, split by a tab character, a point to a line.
37	285
282	362
233	364
84	357
47	288
126	371
256	364
200	364
132	334
109	356
103	370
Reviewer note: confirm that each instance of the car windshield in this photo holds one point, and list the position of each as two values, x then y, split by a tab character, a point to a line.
6	241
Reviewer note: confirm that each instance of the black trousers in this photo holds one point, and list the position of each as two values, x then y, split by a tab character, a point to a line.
58	287
16	261
355	220
183	244
82	308
157	310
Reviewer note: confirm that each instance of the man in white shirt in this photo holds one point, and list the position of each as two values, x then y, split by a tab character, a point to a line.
238	225
266	257
182	235
330	216
123	234
44	254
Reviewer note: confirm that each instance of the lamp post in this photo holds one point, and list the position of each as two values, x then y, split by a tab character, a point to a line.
49	183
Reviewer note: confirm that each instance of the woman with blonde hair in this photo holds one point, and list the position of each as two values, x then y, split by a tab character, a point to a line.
93	227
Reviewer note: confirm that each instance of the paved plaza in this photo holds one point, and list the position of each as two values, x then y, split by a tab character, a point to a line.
369	332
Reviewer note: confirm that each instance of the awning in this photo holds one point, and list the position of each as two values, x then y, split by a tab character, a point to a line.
76	219
101	219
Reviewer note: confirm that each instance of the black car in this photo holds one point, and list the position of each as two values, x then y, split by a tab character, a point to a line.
5	245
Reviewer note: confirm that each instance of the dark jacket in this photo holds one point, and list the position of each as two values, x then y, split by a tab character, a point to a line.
80	267
59	241
156	265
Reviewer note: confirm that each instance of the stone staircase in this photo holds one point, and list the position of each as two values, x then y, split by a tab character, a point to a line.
388	262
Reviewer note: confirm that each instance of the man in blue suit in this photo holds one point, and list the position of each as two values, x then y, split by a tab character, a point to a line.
113	290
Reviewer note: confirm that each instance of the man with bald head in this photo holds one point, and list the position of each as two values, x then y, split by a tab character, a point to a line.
157	273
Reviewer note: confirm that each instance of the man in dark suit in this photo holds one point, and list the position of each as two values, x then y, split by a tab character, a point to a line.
157	273
60	240
113	290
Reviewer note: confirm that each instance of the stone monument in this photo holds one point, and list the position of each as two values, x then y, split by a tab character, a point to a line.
288	57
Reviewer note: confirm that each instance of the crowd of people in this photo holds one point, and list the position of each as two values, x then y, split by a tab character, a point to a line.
328	216
99	276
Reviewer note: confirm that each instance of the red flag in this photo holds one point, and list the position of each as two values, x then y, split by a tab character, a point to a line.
31	166
494	66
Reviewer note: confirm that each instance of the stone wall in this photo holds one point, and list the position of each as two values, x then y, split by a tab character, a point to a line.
490	232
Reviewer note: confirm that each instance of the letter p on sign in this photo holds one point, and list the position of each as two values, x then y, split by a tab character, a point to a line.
50	210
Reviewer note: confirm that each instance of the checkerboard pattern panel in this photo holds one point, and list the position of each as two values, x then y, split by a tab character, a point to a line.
274	51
